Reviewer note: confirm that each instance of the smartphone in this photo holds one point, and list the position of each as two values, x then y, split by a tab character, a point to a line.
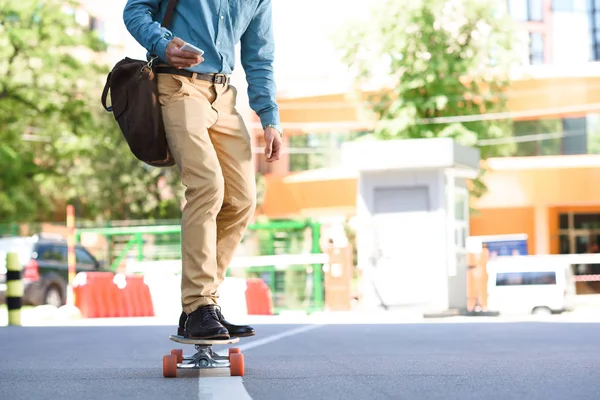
192	48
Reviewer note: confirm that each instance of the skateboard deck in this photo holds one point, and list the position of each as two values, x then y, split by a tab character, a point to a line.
205	357
207	342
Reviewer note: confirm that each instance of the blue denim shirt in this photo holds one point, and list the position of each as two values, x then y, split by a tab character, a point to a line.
215	26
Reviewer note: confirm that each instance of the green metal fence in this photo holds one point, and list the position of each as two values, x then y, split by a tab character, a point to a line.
8	230
295	287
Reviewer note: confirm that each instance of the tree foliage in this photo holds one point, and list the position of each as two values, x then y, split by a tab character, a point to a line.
57	144
441	59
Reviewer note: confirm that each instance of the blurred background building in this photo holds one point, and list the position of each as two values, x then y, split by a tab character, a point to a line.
544	189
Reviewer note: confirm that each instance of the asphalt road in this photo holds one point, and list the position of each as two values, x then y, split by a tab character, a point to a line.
413	361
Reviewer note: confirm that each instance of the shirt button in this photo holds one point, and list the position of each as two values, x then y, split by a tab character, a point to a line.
218	42
222	17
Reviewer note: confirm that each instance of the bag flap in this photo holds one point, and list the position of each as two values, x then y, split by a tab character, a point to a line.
126	73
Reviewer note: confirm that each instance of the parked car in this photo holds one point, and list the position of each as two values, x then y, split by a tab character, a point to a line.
530	285
44	268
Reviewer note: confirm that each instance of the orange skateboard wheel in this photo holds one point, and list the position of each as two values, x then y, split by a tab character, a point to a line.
170	366
179	354
236	364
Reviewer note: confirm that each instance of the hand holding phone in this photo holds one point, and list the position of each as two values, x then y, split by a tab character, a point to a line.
178	57
191	48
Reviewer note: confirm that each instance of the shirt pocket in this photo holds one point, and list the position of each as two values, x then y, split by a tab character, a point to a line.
241	12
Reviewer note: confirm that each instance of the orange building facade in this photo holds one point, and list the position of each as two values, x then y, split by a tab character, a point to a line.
553	199
547	190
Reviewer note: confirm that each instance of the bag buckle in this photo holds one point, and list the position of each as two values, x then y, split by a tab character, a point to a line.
149	64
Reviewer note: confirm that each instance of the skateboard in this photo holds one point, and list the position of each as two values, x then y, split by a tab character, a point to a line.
205	357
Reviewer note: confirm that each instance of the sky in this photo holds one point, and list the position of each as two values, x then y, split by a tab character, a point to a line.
307	63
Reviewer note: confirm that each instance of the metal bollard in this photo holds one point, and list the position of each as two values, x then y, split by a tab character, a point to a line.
14	289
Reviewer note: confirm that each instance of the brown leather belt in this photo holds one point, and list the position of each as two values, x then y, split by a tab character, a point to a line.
214	78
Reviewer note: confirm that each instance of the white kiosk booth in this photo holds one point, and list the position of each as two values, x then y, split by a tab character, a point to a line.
412	221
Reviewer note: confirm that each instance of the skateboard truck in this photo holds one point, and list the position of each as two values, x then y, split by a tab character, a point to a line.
205	357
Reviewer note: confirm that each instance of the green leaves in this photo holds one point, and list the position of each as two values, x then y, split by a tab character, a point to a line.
447	58
57	144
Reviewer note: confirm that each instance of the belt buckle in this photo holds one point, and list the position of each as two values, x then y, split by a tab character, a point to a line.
220	79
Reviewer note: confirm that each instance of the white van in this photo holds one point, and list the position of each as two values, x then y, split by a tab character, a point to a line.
530	284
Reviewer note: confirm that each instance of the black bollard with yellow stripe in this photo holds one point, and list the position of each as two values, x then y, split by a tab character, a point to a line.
14	289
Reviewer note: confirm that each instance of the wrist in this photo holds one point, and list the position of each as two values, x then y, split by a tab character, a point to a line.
160	49
277	127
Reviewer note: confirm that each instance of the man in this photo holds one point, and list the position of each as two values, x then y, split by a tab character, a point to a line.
208	139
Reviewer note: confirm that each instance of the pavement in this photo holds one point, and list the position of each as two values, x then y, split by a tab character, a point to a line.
342	356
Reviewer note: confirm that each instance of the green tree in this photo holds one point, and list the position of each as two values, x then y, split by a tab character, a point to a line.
57	144
36	91
106	182
42	96
440	58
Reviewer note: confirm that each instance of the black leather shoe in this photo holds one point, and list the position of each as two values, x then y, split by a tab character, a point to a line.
181	327
204	324
235	330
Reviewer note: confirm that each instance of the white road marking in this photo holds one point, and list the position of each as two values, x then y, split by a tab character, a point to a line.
222	388
232	387
279	336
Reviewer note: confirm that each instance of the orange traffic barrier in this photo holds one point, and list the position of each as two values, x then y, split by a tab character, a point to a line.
137	300
105	295
92	290
113	300
258	297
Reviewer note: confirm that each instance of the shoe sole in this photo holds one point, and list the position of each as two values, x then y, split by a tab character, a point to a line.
244	334
209	337
219	338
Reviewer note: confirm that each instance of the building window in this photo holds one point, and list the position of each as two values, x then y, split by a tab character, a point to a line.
579	233
594	17
536	10
593	133
573	6
304	152
548	137
518	9
526	10
536	48
461	220
538	137
575	139
563	5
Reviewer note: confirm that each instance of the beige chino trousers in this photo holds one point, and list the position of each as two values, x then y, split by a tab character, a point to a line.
212	148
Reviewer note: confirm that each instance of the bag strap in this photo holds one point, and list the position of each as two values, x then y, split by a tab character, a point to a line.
165	23
169	13
105	93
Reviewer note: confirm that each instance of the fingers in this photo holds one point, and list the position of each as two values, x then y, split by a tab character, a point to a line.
185	55
275	151
188	55
268	148
179	58
180	62
179	42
